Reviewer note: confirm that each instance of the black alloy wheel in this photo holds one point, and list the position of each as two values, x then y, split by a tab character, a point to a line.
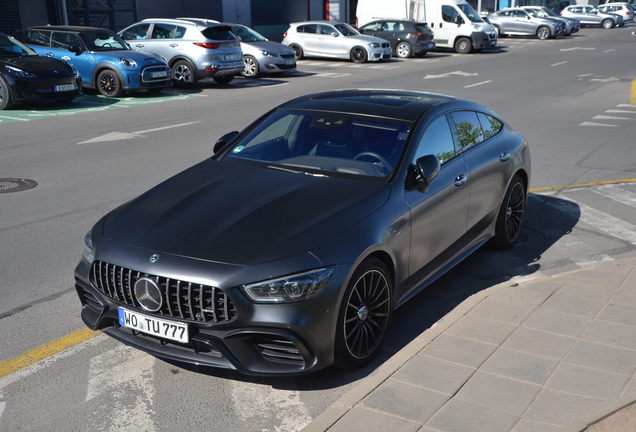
510	217
108	84
358	55
364	315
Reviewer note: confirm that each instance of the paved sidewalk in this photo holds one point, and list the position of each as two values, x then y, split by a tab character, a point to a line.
549	354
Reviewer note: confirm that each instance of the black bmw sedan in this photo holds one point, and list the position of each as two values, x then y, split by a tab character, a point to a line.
290	249
27	77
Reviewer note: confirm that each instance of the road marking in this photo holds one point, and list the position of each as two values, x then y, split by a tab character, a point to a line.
478	84
115	136
446	75
577	48
14	118
610	79
46	350
599	220
260	403
558	64
578	186
620	111
633	93
117	375
602	117
616	194
597	124
609	50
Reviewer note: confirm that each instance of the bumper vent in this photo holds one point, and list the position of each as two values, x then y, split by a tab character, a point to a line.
185	300
279	350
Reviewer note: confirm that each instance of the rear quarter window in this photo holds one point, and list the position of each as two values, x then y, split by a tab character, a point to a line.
38	37
222	33
307	28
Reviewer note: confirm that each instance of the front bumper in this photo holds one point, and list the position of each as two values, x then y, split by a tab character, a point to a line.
255	339
33	90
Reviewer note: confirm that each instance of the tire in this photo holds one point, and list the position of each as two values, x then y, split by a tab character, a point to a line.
403	50
298	51
108	84
510	216
358	54
5	95
224	79
607	23
463	45
543	33
251	69
498	31
364	315
183	74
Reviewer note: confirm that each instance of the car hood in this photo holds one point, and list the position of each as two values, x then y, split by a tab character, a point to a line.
229	212
364	39
275	47
41	66
141	57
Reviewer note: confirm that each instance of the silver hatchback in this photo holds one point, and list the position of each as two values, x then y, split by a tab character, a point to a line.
261	55
194	48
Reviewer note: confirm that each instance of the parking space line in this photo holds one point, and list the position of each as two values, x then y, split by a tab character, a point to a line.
478	84
48	349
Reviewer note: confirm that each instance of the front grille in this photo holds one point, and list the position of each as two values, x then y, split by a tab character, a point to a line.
288	56
181	299
147	73
385	44
284	67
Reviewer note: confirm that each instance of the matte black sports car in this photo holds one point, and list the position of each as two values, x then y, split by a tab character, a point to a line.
25	76
290	248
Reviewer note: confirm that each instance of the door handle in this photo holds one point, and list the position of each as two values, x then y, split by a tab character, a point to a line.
174	45
460	180
49	54
504	157
139	45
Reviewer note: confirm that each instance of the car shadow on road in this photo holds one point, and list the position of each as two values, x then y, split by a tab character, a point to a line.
544	225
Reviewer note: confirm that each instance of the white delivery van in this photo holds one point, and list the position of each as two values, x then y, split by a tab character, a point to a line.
455	23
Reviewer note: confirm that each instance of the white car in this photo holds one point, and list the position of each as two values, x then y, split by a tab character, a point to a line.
589	15
625	10
335	40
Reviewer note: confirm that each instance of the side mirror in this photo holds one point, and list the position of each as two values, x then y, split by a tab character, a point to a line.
334	34
459	20
75	49
427	168
223	141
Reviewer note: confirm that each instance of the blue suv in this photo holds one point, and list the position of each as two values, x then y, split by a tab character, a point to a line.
104	60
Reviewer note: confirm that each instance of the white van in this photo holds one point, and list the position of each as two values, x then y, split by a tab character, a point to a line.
455	23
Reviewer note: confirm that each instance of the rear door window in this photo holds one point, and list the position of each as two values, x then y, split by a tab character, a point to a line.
38	37
468	132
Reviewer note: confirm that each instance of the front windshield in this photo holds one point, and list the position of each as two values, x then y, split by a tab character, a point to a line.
104	42
11	47
346	30
470	12
246	34
324	143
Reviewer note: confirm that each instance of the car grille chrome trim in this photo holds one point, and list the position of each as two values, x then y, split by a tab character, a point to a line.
184	300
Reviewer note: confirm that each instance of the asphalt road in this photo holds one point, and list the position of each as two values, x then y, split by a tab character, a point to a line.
570	97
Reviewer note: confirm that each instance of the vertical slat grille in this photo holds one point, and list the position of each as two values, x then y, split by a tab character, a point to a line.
181	299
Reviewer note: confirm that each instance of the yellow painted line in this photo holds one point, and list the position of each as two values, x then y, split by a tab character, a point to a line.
633	93
581	185
48	349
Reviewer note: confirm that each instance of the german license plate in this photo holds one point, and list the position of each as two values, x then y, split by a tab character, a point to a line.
232	57
153	326
64	87
289	62
159	74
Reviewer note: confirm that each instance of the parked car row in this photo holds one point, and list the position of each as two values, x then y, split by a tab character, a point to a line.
155	53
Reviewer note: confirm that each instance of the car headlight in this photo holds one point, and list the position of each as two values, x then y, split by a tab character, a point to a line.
75	71
19	72
88	247
288	289
269	54
129	63
374	45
